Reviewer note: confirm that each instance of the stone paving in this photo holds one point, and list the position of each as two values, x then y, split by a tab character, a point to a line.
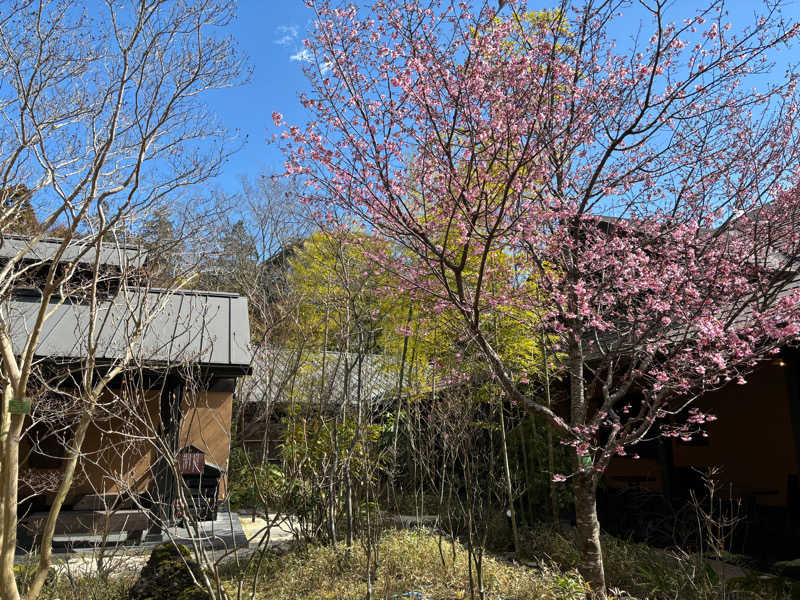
221	537
256	529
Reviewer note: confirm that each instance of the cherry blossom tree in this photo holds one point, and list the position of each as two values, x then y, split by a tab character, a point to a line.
645	185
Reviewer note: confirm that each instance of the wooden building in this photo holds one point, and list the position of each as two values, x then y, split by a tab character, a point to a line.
754	448
167	414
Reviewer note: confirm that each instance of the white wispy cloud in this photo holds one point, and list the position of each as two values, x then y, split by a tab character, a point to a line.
303	55
287	34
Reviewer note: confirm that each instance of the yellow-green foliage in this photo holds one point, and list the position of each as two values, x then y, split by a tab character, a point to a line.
409	561
309	442
341	292
343	295
551	21
252	483
312	444
343	304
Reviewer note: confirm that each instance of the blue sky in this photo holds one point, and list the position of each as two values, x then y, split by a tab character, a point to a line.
270	33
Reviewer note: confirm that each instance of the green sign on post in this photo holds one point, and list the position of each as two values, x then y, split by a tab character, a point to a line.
19	407
584	460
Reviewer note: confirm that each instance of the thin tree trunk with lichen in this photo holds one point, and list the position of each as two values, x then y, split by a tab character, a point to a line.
11	430
507	473
549	436
523	446
396	426
46	550
506	469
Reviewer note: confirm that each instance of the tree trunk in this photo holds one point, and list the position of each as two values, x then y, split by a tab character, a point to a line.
12	427
396	427
332	508
587	534
512	512
549	435
349	506
49	529
530	516
587	526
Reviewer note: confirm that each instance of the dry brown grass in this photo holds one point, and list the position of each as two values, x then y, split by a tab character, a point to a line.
409	561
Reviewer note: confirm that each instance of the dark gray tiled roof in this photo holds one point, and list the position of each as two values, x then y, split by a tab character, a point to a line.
111	254
282	375
192	326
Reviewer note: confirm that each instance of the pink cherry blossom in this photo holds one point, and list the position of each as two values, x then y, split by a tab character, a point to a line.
647	198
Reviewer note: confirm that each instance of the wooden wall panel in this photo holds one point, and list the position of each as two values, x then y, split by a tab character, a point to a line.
206	424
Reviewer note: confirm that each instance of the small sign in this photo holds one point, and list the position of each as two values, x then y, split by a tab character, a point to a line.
19	407
584	460
191	463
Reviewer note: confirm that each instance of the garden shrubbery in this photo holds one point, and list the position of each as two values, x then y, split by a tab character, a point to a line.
410	561
422	561
646	572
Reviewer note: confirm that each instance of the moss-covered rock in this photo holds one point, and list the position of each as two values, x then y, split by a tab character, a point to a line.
169	574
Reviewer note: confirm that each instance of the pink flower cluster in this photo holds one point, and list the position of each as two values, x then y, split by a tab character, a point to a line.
645	203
